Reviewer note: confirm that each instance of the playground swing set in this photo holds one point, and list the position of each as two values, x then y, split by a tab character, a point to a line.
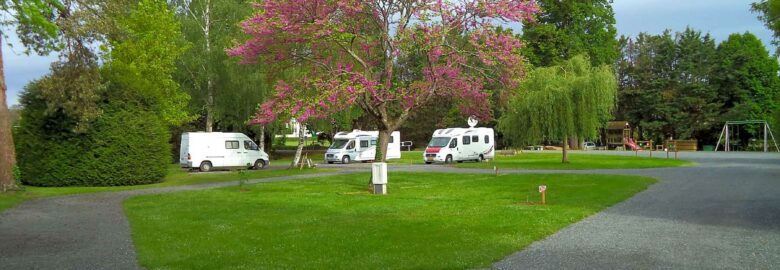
732	127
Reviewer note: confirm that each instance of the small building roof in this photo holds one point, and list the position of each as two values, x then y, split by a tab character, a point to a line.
617	125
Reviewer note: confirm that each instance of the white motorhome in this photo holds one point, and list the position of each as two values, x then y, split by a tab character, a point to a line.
460	144
360	146
209	150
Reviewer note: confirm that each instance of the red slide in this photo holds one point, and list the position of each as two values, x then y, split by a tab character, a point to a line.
630	142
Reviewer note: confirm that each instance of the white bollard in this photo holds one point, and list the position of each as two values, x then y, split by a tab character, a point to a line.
379	177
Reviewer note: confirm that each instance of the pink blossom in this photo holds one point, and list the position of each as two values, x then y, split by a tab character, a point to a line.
345	54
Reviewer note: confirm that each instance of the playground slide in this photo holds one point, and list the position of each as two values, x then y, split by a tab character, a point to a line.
631	144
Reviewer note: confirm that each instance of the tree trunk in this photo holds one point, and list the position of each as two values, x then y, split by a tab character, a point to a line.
573	145
565	150
7	150
261	145
301	142
209	79
381	148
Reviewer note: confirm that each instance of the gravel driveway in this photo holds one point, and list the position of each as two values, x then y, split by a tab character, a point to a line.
722	214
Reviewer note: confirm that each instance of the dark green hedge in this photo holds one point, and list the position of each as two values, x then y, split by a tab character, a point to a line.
120	147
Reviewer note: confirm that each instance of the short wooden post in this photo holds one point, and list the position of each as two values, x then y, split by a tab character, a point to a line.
543	191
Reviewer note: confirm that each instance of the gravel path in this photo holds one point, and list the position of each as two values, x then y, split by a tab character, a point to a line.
88	231
724	213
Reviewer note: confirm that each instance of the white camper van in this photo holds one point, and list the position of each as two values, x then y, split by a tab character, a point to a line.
360	146
460	144
209	150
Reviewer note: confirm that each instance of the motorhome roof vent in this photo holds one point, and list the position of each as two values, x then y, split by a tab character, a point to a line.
448	131
341	133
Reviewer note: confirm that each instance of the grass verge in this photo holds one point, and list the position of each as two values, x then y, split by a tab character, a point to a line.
175	177
427	221
552	161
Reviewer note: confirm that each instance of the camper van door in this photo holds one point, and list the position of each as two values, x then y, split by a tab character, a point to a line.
233	152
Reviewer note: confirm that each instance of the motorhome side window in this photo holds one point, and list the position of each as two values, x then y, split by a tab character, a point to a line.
487	139
475	138
250	145
351	145
391	139
466	140
231	144
373	142
454	143
363	144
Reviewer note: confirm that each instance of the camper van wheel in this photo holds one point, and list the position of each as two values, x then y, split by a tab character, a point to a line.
259	164
448	159
330	162
205	166
345	160
481	158
428	162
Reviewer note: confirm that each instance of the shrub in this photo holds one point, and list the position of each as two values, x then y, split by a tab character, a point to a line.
121	146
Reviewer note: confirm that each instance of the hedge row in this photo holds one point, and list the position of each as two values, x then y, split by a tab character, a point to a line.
120	147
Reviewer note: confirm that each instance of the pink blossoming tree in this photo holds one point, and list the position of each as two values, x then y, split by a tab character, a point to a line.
386	56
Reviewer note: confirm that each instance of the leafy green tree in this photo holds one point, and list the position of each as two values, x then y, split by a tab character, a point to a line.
224	93
143	59
555	103
33	17
695	99
747	80
567	28
666	85
770	14
127	143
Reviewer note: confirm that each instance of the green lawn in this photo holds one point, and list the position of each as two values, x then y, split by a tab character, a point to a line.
408	157
552	160
577	162
176	177
428	221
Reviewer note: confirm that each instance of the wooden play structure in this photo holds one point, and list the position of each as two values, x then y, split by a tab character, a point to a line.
616	134
730	126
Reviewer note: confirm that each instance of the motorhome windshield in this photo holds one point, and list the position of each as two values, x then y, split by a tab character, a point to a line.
439	142
338	144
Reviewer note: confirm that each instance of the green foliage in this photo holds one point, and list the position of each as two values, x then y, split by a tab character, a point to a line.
747	79
237	89
573	99
34	20
142	61
666	85
122	147
769	13
568	28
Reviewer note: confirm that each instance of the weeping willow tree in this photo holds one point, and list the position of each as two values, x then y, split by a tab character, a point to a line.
555	103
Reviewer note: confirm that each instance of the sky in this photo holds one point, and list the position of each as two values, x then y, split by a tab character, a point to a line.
720	18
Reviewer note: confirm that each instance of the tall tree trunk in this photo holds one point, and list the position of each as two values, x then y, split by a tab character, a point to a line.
565	150
208	69
381	149
301	142
261	145
7	150
573	145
